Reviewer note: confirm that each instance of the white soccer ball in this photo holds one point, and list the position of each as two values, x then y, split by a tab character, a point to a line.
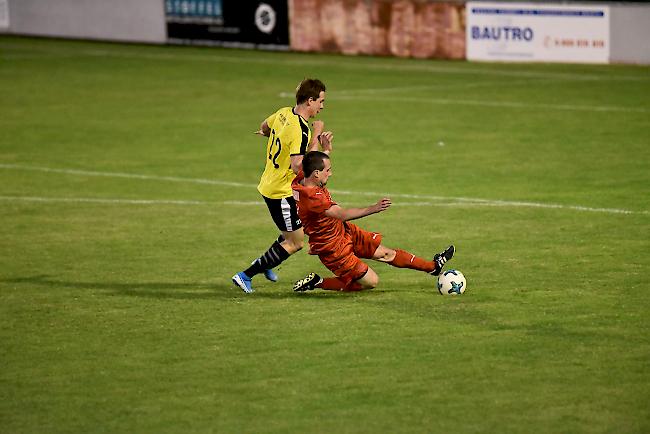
451	282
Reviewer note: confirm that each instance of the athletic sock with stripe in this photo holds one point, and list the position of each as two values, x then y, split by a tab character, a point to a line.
404	259
273	257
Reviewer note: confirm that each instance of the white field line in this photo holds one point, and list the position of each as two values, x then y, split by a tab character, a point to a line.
126	175
102	200
500	104
503	203
218	56
122	201
423	200
445	86
335	94
459	204
375	94
361	94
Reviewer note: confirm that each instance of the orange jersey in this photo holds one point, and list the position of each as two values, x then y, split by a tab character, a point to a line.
338	244
325	233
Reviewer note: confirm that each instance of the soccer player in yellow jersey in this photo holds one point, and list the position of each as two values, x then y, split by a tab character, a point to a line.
289	139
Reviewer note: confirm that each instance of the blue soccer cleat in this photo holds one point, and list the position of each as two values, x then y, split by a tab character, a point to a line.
244	282
270	275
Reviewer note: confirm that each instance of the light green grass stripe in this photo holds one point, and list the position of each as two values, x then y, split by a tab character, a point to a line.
302	60
500	104
457	201
374	95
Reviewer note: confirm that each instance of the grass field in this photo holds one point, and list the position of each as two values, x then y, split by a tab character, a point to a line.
128	200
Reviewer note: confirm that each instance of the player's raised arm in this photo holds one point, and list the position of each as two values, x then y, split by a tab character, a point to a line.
326	142
264	130
346	214
317	130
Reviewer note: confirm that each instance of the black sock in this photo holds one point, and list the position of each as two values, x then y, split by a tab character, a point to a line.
273	257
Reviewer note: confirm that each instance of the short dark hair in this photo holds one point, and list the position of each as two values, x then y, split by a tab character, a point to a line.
309	88
313	160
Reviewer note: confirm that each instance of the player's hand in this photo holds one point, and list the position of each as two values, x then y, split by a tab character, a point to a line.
318	127
383	204
326	141
260	133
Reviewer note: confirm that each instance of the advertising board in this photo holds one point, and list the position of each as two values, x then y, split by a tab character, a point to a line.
232	23
4	14
533	32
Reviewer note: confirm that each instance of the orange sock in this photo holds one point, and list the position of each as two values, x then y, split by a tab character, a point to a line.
353	286
334	284
331	284
404	259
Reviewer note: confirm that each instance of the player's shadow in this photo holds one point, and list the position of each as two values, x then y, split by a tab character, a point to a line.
156	290
176	291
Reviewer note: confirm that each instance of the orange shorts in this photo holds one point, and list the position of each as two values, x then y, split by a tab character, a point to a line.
345	262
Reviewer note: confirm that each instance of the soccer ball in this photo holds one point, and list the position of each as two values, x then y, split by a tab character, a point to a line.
451	282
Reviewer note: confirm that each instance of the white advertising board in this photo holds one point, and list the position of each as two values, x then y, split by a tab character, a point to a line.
528	32
4	14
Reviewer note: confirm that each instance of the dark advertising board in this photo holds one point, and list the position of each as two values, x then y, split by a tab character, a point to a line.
231	23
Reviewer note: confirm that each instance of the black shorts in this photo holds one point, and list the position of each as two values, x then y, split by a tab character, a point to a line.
284	213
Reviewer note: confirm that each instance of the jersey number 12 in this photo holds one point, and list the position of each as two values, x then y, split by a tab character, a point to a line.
274	157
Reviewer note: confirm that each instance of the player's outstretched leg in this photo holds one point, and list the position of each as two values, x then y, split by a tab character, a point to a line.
402	259
243	281
313	280
286	244
440	259
273	257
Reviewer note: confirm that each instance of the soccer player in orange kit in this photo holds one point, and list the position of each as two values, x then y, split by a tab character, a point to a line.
340	244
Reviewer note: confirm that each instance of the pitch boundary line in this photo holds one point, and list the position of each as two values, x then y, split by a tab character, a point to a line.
103	200
126	175
350	95
446	86
355	62
457	204
424	200
502	104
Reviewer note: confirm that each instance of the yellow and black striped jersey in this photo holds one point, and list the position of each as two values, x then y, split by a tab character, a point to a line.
290	135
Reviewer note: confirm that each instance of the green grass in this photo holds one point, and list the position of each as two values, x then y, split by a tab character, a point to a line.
120	316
